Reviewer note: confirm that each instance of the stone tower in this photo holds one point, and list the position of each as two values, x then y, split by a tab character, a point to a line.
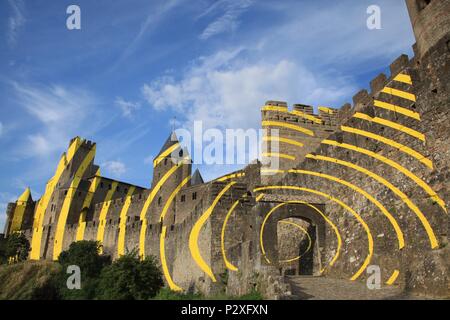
431	22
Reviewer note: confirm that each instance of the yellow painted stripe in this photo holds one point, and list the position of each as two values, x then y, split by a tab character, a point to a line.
403	78
391	124
386	213
287	126
278	155
228	264
342	204
275	108
41	206
427	162
259	197
400	194
307	235
326	110
166	207
19	211
393	277
231	176
86	204
398	109
71	193
307	116
433	195
195	232
399	93
104	213
293	112
165	153
285	140
123	222
148	201
171	197
162	253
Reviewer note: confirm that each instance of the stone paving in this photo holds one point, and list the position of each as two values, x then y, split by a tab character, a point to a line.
322	288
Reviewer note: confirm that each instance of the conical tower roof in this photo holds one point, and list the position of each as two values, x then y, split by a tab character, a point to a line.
197	178
171	140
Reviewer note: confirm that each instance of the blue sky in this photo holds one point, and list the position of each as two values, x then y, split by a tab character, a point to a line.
137	64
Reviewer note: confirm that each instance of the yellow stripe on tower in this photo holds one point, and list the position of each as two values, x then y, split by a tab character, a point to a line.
231	176
326	110
165	153
19	211
42	205
307	116
162	253
285	140
427	162
287	126
171	197
397	109
148	202
71	193
275	108
86	204
399	93
403	78
433	241
195	232
228	264
387	214
433	195
307	235
343	205
391	124
123	222
104	213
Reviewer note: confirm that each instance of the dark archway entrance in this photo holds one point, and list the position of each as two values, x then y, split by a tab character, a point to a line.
292	235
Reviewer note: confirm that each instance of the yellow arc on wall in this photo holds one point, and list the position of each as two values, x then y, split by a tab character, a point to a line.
195	232
63	215
228	264
104	213
41	206
123	222
343	205
307	235
86	204
148	202
429	230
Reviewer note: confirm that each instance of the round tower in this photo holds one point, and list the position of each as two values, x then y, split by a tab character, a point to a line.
430	21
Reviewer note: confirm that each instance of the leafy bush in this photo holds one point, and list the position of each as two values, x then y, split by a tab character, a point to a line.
86	255
17	247
129	278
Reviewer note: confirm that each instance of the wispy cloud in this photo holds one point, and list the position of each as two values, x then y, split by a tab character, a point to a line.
228	20
228	93
16	21
114	167
151	22
127	107
59	114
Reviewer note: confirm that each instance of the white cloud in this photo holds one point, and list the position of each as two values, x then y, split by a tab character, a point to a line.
149	159
127	107
228	21
229	93
16	21
115	168
60	115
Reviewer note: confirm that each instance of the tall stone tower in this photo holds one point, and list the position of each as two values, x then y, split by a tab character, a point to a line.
431	22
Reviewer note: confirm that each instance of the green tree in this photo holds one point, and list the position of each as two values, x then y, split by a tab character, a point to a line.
129	278
17	247
86	255
3	258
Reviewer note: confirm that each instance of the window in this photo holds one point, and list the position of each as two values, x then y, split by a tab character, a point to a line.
109	186
194	196
165	161
159	201
180	153
101	185
183	198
